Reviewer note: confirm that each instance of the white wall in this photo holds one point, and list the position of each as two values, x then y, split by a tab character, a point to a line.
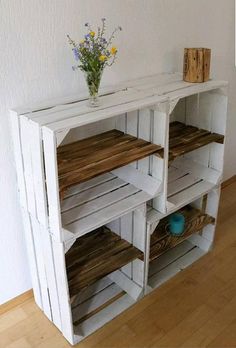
35	64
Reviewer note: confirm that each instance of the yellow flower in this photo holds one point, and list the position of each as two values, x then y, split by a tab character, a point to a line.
102	58
82	42
113	50
92	33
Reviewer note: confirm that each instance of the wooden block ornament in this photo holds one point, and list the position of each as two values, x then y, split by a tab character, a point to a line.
197	64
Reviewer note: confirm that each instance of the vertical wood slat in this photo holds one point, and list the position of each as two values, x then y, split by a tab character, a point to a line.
41	204
160	166
149	230
196	111
139	241
120	123
144	132
41	267
50	157
28	172
25	132
49	144
15	129
212	208
114	226
213	107
36	159
126	230
16	139
63	291
32	259
132	128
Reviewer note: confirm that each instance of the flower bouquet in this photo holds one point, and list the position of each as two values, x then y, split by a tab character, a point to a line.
93	54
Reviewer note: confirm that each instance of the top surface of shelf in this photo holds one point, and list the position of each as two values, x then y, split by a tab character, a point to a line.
70	112
96	255
88	158
185	138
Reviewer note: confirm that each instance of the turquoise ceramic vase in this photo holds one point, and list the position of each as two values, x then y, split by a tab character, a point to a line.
176	224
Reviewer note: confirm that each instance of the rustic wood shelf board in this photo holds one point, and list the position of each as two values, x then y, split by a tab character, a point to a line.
184	139
161	240
88	158
96	255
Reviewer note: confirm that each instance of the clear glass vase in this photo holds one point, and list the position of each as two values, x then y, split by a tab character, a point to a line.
93	79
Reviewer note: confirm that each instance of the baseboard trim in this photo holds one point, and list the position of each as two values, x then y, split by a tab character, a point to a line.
228	182
16	301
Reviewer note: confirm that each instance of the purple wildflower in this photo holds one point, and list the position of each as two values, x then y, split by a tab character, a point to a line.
76	53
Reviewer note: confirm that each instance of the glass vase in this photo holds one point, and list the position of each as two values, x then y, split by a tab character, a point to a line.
93	79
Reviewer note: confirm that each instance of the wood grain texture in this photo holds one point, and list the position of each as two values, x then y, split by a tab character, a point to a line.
184	139
197	64
106	304
195	309
229	181
162	241
19	300
96	255
88	158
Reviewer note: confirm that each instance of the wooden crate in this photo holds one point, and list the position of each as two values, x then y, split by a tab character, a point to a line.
167	255
155	143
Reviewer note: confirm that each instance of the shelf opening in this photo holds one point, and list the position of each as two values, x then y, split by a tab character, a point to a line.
95	255
99	154
185	138
162	241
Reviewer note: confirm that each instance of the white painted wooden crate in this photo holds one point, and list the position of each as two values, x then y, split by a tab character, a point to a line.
142	108
195	246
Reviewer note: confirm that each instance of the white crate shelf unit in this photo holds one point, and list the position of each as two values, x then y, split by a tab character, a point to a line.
96	187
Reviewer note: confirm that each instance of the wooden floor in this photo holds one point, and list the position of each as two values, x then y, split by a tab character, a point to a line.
197	308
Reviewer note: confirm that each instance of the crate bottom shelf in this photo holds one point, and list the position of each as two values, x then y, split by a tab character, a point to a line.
172	262
104	316
96	255
99	201
187	181
98	305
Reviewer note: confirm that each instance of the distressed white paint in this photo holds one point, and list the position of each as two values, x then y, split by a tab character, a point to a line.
34	32
110	200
